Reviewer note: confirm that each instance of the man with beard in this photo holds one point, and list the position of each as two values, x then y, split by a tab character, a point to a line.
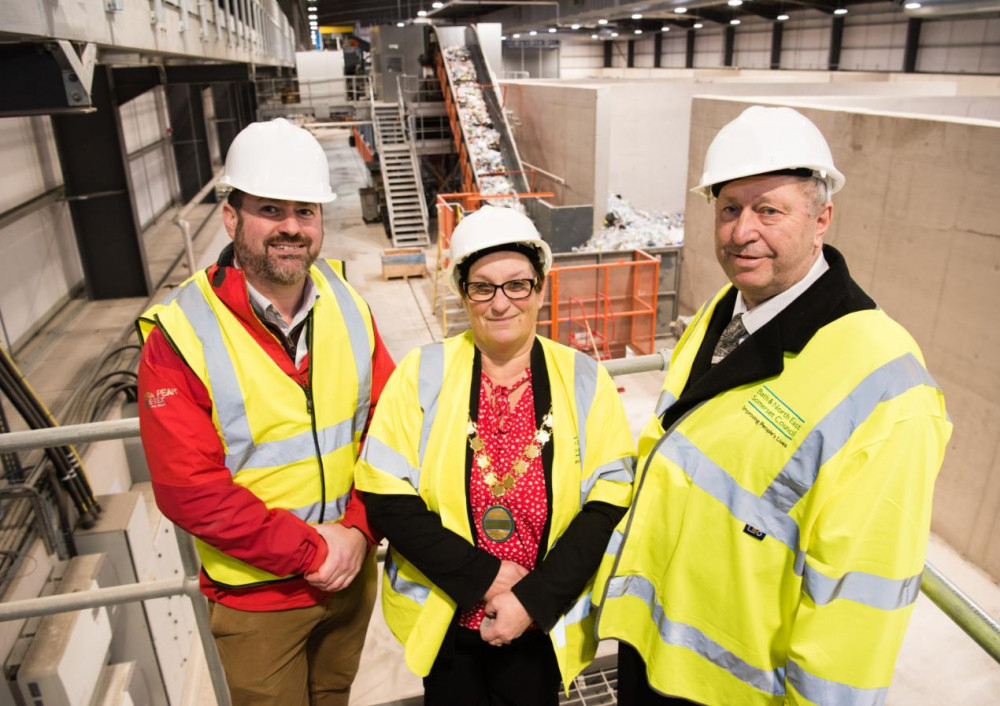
257	380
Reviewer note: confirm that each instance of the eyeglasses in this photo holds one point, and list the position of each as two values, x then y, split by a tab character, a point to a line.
485	291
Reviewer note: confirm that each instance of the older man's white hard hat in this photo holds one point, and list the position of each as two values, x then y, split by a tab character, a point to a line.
489	227
278	160
763	140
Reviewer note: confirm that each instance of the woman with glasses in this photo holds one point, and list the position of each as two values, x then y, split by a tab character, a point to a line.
497	465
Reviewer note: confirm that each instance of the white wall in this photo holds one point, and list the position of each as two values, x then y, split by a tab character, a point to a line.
874	39
144	122
39	265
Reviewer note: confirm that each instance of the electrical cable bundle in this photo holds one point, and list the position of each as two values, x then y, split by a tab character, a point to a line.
69	469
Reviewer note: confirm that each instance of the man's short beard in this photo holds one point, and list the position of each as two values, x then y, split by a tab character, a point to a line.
261	265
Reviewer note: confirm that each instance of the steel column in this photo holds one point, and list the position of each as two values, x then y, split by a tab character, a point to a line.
608	49
631	54
730	45
689	50
99	190
187	117
657	49
912	44
777	29
836	42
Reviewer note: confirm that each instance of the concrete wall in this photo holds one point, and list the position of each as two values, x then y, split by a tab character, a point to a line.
919	224
564	131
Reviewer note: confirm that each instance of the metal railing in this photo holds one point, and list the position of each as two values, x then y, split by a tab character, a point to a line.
969	616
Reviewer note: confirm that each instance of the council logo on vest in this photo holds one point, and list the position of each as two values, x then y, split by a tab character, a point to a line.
773	415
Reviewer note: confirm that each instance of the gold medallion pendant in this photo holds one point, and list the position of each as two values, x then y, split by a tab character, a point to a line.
498	523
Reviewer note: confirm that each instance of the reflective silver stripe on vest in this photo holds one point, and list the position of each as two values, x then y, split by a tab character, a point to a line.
579	611
226	392
615	543
585	387
357	333
831	693
384	458
411	589
830	434
715	481
429	383
621	470
297	448
332	511
691	638
665	402
860	587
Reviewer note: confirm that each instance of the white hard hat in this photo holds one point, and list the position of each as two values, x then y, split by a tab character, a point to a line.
278	160
763	140
491	226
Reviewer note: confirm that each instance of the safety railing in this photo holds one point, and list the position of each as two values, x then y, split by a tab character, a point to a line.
616	299
328	95
970	617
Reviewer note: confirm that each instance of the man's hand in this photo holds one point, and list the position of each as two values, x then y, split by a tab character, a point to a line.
509	574
347	550
509	620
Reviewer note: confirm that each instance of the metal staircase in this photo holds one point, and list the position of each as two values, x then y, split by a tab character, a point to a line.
404	190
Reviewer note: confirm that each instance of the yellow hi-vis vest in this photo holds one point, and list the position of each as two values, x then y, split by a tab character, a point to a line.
295	449
774	548
417	446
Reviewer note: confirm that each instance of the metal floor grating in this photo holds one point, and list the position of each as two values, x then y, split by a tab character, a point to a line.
596	685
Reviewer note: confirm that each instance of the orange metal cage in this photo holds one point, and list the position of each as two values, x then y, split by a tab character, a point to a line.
603	308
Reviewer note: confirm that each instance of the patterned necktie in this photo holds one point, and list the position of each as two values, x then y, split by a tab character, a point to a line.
730	338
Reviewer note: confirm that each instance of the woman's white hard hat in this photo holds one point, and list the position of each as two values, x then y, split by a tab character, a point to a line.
764	140
489	227
278	160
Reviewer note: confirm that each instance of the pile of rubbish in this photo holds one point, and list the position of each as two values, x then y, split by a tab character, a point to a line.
482	137
629	228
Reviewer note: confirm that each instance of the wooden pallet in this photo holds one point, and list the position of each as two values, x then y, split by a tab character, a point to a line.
403	262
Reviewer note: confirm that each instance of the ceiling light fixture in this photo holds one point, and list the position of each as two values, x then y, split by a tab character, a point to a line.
400	24
638	31
735	3
552	30
912	6
437	5
421	13
516	35
697	25
313	17
594	36
734	22
602	21
840	11
781	18
574	26
614	34
532	33
664	29
680	10
637	16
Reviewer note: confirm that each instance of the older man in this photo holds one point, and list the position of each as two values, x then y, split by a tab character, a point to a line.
257	378
773	551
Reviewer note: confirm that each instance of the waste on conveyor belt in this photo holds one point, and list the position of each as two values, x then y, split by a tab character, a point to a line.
628	228
482	137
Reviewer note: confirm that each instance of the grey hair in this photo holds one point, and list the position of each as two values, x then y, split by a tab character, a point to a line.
821	193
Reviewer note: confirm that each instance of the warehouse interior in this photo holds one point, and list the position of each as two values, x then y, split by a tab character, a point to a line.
115	124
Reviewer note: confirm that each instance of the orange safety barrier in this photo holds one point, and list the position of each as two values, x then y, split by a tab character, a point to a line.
363	149
603	308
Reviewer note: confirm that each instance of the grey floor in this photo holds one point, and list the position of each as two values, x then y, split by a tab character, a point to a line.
938	663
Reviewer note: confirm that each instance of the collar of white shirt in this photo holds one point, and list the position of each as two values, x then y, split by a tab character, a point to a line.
755	318
269	313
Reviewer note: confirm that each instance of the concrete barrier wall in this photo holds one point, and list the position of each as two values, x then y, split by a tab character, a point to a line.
919	224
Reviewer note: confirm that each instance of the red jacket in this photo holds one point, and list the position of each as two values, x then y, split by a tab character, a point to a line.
195	490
